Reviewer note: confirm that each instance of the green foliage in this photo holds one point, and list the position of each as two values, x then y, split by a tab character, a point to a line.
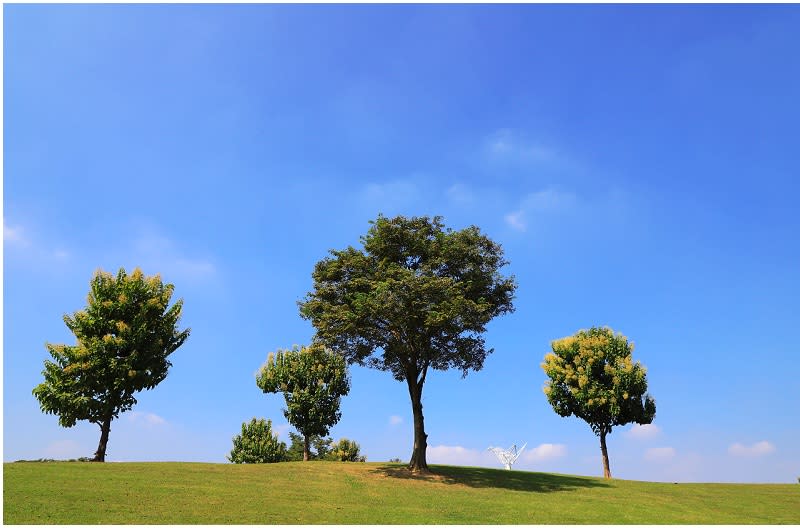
124	337
257	444
346	451
593	376
417	296
312	379
320	447
395	460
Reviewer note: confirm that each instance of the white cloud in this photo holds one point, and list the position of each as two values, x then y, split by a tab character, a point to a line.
517	220
758	449
508	145
390	194
659	453
395	420
459	456
14	235
643	432
537	204
460	194
32	248
549	200
282	430
145	418
463	456
61	449
544	452
154	250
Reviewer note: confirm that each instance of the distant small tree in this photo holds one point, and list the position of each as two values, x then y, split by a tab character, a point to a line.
257	444
593	376
312	379
346	451
320	447
124	337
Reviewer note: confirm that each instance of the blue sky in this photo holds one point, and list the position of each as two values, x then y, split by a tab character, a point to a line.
638	164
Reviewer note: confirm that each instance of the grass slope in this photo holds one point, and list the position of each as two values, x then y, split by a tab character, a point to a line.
373	493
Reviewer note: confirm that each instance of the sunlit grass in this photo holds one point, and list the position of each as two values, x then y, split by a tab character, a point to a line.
372	493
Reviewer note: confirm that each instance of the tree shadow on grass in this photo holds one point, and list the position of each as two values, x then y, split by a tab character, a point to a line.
476	477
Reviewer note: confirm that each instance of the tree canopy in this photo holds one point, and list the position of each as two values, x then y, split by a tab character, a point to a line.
124	337
346	451
417	296
257	444
313	381
592	376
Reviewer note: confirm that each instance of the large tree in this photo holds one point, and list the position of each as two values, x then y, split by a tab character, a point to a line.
124	337
417	296
592	376
313	381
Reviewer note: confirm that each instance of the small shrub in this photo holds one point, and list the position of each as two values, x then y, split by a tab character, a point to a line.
320	447
346	451
257	445
395	460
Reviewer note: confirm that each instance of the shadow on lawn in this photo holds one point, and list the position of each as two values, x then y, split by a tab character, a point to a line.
475	477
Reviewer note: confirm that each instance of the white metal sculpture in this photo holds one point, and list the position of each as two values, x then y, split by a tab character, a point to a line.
507	457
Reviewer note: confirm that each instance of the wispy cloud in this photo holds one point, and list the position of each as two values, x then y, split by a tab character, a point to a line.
464	456
517	220
145	419
511	146
660	453
756	450
540	203
395	420
14	235
460	456
390	196
151	249
61	449
643	432
282	430
460	194
544	452
31	247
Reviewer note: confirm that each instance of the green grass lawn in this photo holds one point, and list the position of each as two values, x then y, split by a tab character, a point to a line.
372	493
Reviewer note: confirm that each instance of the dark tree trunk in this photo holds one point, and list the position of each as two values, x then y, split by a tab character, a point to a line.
306	449
105	428
604	450
418	463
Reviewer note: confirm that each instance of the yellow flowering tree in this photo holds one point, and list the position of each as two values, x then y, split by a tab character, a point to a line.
124	336
313	380
592	375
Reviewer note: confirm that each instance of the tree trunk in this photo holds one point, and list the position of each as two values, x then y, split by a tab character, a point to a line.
306	449
100	454
604	450
418	463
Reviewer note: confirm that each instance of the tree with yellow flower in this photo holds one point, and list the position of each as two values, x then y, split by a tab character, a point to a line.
593	376
313	380
124	336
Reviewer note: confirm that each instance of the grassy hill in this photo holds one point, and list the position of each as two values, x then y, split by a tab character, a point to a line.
372	493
